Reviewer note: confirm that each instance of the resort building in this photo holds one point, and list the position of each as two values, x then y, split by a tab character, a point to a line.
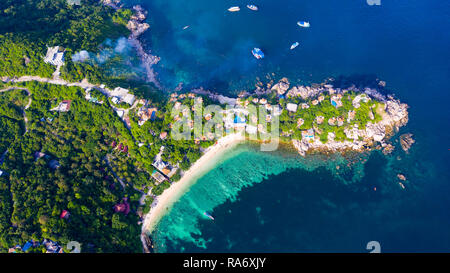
305	106
122	95
64	214
64	106
199	100
340	121
55	56
145	114
332	121
163	135
129	98
361	97
122	207
308	135
336	101
351	115
120	113
291	107
320	119
115	100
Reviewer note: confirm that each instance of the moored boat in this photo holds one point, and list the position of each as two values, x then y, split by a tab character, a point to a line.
303	24
252	7
294	45
234	9
208	215
257	53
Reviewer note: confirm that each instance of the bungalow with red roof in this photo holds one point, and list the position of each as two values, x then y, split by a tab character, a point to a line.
64	214
123	207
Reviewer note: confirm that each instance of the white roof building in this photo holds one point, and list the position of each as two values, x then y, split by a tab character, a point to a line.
55	56
120	113
291	107
115	100
129	98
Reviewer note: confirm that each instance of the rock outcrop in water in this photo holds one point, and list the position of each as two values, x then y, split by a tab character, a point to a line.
406	141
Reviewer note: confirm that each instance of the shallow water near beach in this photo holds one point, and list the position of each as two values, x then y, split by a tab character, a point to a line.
280	202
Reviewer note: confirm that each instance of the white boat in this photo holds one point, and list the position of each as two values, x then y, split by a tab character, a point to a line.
186	27
208	215
234	9
294	45
258	53
303	24
252	7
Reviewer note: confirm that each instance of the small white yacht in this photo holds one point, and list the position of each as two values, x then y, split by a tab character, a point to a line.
303	24
252	7
234	9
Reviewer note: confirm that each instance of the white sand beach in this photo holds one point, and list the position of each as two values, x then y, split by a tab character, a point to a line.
177	189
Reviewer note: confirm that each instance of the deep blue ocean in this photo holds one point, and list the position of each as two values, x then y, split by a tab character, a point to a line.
279	202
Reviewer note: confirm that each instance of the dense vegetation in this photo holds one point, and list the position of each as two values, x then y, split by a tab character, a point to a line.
84	184
19	57
11	118
27	27
55	22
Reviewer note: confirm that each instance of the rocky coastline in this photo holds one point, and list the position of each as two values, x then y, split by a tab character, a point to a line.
394	115
137	27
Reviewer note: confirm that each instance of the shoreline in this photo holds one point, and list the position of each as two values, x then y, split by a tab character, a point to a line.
205	163
137	26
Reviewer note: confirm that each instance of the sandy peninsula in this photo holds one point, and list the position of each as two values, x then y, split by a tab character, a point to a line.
209	159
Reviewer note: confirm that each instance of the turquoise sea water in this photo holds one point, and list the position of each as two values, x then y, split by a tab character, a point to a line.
276	202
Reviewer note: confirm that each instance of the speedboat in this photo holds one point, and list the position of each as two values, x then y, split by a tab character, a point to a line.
257	53
208	215
294	45
303	24
252	7
186	27
234	9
